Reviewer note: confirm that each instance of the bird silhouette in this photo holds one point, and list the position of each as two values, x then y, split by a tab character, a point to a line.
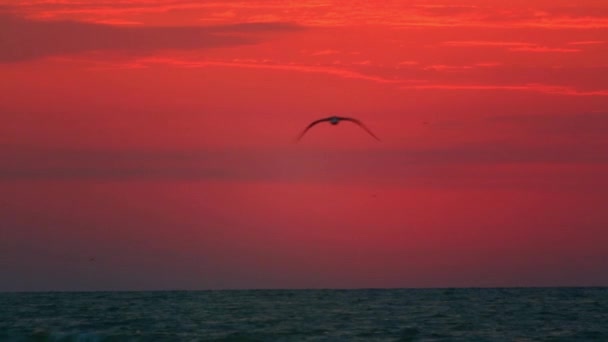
334	120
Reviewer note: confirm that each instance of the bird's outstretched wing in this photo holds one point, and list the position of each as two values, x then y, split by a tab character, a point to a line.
361	125
310	126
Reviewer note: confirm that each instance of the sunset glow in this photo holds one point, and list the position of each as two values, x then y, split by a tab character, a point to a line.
158	137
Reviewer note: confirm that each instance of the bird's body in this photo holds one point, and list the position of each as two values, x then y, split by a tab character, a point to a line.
334	120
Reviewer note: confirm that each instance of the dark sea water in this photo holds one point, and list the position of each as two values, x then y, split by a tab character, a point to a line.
524	314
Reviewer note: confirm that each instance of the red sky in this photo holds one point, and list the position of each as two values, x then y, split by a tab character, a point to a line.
157	138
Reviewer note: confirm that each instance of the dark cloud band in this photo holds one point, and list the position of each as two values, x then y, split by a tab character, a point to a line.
22	39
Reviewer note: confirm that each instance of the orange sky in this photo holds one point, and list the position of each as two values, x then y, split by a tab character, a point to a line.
157	137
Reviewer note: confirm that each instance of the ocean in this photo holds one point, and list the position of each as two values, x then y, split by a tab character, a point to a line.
488	314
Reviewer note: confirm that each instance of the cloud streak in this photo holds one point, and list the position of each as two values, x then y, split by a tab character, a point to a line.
352	73
255	64
533	87
337	13
510	46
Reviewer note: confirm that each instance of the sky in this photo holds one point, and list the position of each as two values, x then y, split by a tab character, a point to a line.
149	145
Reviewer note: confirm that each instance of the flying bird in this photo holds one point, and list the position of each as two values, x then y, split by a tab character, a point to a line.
334	120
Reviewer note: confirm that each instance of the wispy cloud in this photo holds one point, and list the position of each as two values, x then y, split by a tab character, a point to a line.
488	64
49	9
336	12
256	64
475	43
445	67
350	71
22	39
532	87
116	22
510	46
407	63
566	22
543	49
587	42
324	52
